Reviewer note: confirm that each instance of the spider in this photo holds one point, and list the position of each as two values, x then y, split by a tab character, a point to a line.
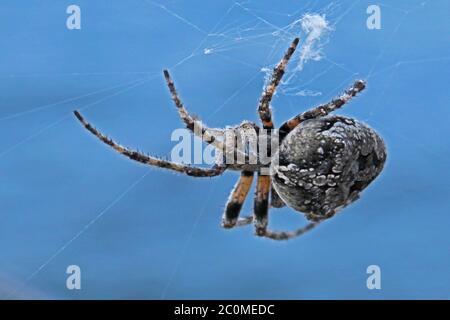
323	161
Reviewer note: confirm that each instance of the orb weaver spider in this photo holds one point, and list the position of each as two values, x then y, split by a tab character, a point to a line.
323	161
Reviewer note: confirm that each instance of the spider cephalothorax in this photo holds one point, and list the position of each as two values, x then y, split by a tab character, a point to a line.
315	163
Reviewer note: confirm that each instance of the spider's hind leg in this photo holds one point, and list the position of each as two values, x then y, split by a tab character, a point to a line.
261	211
322	110
275	200
287	235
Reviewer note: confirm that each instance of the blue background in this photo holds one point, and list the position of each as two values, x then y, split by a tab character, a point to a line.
67	199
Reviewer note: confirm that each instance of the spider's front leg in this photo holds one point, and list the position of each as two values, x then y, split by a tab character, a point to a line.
152	161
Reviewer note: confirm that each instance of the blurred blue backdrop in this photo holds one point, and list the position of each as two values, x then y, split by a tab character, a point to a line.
66	199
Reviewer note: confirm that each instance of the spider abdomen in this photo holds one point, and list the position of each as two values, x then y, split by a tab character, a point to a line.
324	163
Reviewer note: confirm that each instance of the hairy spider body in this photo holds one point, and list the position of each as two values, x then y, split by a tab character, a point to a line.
318	164
325	163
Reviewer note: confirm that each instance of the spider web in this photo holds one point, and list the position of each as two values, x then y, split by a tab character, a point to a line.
249	35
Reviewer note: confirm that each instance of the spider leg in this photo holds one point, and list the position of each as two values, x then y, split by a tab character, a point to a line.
244	221
134	155
279	235
260	215
261	204
323	109
196	126
275	200
236	200
265	113
264	109
287	235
